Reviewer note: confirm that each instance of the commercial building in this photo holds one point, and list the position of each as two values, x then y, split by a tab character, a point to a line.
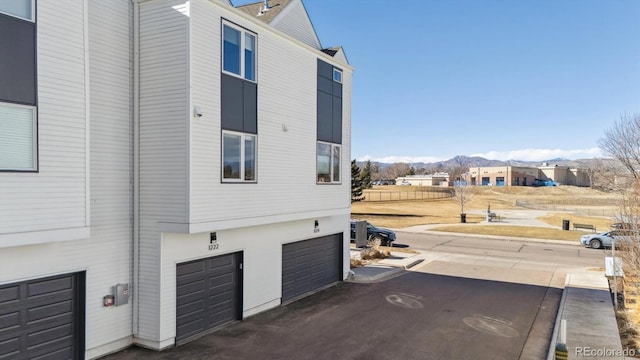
166	167
526	176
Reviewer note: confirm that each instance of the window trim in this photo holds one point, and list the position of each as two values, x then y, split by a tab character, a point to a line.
243	31
33	13
337	71
34	140
331	165
242	136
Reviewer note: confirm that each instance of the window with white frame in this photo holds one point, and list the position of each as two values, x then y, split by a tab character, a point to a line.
238	157
17	137
328	162
239	51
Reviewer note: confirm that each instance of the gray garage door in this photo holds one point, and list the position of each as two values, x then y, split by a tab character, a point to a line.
310	265
43	318
208	295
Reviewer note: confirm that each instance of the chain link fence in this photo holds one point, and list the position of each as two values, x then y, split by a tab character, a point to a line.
407	195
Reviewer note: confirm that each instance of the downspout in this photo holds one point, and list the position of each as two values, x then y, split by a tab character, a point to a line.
136	167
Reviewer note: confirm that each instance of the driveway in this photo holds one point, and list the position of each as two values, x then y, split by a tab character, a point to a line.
413	316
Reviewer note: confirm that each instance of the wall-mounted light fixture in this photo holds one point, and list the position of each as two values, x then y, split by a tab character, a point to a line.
197	111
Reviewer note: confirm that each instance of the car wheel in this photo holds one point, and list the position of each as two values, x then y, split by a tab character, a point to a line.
595	244
375	240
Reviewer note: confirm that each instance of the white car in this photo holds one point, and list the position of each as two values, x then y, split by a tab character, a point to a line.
607	238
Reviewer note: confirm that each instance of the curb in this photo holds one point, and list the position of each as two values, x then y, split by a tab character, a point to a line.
556	328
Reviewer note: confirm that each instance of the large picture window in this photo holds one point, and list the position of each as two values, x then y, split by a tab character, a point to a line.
239	52
18	137
328	163
238	157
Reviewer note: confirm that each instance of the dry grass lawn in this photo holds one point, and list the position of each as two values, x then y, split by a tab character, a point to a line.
400	214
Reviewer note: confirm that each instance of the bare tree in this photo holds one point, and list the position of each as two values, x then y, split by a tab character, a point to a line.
622	142
462	195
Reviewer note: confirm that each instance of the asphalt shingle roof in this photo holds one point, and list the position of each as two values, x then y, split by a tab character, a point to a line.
275	7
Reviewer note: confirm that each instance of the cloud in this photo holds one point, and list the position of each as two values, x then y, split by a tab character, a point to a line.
521	154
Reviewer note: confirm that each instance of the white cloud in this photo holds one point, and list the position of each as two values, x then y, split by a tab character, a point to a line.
521	154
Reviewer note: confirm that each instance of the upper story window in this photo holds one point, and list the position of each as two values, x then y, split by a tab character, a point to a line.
18	89
19	8
239	52
337	75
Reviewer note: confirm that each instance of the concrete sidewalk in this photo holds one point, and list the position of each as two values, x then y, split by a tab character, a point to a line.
591	326
586	305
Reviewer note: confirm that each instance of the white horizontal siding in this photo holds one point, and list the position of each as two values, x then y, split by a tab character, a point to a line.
111	94
163	144
286	159
55	197
294	21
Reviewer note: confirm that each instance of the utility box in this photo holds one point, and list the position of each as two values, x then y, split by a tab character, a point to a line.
361	234
121	294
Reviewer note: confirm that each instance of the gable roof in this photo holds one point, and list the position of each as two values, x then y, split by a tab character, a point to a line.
288	16
257	9
336	52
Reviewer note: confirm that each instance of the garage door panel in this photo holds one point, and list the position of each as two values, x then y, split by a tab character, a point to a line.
192	287
216	298
56	355
310	265
45	320
9	348
50	287
191	307
9	294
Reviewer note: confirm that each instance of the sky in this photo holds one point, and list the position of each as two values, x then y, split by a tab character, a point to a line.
527	80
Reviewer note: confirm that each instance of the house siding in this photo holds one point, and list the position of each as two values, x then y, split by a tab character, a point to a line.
164	155
56	196
68	30
294	21
286	78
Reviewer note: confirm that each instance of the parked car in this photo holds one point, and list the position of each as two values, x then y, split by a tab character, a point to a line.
375	234
607	238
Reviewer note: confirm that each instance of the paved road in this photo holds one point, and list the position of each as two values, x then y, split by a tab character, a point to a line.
560	256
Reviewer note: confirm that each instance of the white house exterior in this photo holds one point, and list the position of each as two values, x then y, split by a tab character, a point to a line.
160	145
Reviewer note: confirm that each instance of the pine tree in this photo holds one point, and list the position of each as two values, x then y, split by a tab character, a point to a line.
356	183
365	176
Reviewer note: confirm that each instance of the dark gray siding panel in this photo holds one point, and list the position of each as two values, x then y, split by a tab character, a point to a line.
231	103
329	106
310	265
17	60
250	107
337	120
324	114
325	69
208	295
43	318
239	103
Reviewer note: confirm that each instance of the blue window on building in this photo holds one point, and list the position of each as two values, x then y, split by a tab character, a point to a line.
239	52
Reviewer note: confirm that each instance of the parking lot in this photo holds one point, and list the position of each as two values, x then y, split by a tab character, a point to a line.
413	316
